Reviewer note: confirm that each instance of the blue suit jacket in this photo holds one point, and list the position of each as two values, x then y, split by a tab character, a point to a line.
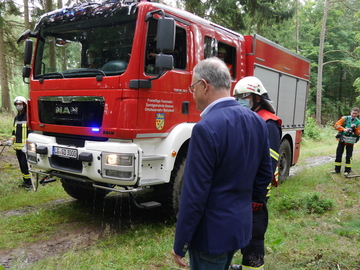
228	165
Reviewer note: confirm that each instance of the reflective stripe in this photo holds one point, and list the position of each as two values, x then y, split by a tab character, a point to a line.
20	123
337	163
269	190
26	176
276	177
244	267
348	165
274	154
22	136
24	132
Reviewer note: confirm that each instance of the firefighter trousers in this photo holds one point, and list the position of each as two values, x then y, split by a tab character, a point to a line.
254	252
339	152
24	167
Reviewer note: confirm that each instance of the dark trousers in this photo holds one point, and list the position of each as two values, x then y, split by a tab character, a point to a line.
206	261
254	252
23	166
339	152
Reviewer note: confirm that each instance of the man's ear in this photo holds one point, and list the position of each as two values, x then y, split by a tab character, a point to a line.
206	85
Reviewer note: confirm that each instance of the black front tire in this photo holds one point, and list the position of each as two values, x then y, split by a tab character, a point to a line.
83	191
169	194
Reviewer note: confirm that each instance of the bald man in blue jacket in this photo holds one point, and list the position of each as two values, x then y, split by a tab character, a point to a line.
228	168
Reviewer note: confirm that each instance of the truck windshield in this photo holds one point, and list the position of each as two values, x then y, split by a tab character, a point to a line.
86	44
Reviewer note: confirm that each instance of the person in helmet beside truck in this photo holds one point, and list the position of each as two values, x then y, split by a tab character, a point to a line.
222	53
18	139
94	59
349	131
251	93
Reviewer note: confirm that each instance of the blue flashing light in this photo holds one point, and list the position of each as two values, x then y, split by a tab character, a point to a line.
95	129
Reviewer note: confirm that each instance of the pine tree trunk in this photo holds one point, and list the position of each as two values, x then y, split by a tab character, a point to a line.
26	14
5	92
320	63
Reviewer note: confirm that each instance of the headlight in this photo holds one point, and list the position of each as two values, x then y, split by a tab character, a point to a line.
118	166
119	160
31	147
31	152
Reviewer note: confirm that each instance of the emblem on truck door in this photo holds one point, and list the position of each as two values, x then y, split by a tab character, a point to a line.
160	121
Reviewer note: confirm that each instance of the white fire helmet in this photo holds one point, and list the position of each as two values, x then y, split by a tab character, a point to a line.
252	85
249	85
20	99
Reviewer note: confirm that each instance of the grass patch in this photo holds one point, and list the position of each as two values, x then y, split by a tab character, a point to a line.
6	120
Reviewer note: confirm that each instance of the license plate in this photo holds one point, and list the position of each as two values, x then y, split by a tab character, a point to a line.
65	152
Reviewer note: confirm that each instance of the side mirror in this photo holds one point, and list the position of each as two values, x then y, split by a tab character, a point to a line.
165	35
166	31
28	52
164	61
26	72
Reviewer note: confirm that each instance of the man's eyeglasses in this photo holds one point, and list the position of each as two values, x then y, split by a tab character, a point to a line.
191	87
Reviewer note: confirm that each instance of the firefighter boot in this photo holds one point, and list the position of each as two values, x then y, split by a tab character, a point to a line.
26	185
26	182
337	168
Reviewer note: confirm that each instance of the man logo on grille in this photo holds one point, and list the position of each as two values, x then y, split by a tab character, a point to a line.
67	110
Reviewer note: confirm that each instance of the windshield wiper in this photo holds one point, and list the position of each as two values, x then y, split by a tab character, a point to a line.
85	71
72	74
51	74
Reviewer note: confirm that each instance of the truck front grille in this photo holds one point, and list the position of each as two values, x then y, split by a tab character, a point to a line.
79	111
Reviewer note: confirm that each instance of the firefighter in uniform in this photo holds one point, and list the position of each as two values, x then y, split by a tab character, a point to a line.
349	131
251	93
18	139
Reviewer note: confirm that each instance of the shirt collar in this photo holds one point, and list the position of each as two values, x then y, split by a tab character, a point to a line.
208	108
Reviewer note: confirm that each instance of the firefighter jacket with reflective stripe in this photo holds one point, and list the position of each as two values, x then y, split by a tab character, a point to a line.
20	131
346	122
274	126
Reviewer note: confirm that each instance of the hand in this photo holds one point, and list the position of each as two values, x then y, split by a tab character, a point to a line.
8	142
151	55
23	149
346	130
178	259
257	206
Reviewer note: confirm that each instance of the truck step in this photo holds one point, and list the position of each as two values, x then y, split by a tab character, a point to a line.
144	205
150	204
46	181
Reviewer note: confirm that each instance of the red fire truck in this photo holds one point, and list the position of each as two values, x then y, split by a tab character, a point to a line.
109	101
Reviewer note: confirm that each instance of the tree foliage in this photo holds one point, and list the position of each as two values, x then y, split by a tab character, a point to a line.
247	16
